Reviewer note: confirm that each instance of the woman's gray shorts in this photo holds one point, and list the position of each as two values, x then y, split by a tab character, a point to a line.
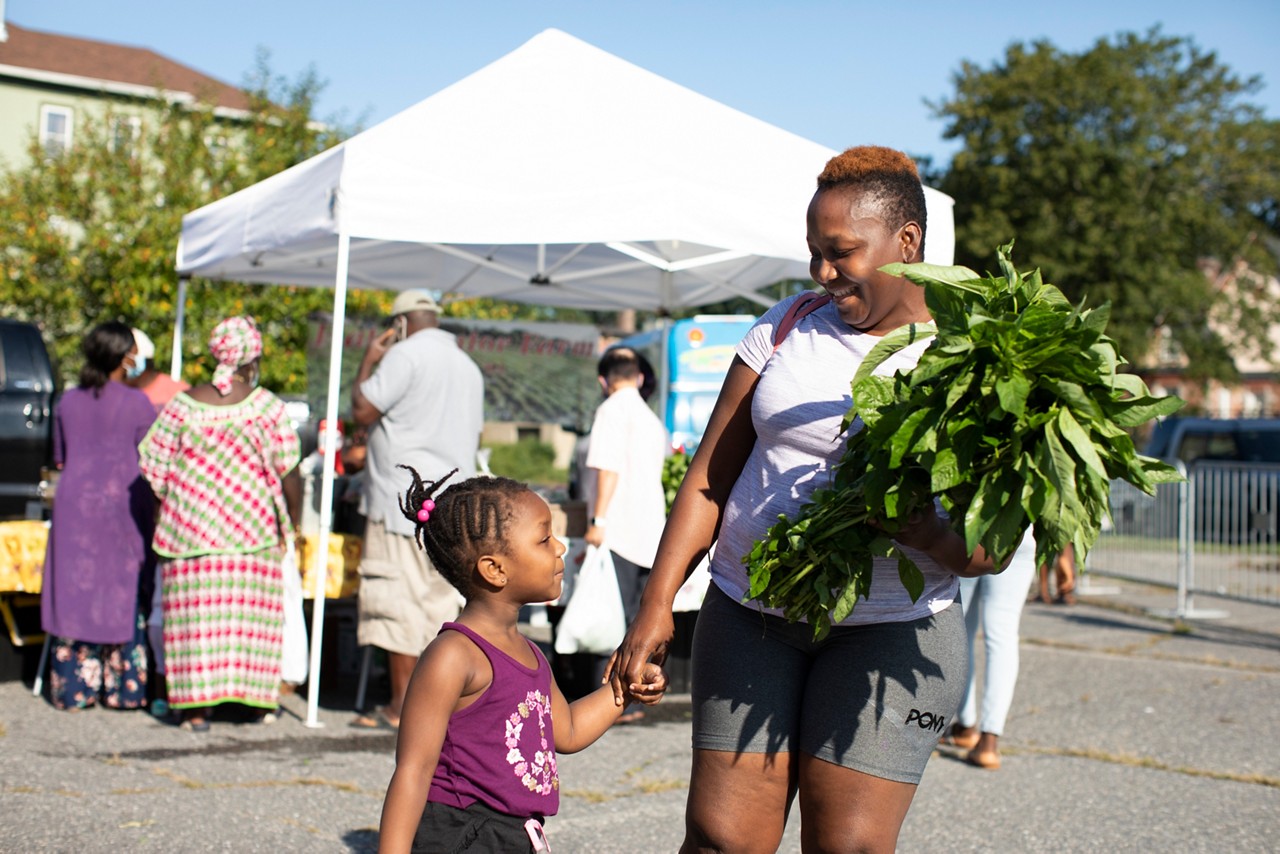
873	698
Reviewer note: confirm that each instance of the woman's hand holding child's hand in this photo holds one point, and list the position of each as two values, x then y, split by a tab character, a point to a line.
651	690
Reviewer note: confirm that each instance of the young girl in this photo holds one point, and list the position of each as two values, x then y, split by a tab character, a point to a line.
476	754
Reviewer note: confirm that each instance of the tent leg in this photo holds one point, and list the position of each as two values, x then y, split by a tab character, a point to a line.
321	557
179	322
37	687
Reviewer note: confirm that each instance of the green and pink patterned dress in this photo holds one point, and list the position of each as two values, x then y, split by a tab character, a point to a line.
217	472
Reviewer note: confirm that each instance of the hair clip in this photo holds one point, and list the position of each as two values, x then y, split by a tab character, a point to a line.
425	513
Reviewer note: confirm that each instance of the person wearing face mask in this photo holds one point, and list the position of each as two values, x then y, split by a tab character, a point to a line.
143	374
95	583
222	459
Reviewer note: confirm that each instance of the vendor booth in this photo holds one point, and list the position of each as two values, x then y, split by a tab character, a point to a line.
558	175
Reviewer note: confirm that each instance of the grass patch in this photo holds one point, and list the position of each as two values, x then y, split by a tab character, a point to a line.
591	796
1154	764
527	460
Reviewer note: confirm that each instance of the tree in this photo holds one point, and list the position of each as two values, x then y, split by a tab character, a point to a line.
1119	170
90	235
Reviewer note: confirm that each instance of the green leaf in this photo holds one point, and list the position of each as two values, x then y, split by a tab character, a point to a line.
1080	442
908	435
911	576
951	276
1013	391
903	336
982	512
1135	413
945	471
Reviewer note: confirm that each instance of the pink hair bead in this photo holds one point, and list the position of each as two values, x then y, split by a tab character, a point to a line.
428	505
424	514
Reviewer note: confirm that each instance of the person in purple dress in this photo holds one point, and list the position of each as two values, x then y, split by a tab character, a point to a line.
94	593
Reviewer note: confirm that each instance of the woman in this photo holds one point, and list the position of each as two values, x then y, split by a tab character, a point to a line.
93	601
222	459
847	723
1064	578
994	604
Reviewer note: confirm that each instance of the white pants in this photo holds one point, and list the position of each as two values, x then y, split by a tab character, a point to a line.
995	602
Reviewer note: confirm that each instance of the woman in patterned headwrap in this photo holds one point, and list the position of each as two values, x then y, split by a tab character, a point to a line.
222	459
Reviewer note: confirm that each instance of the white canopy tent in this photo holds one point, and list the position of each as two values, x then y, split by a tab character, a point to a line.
558	175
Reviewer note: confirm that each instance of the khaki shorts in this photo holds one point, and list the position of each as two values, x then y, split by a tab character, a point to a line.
403	601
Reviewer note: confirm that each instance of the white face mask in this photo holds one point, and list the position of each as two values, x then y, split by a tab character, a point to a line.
137	368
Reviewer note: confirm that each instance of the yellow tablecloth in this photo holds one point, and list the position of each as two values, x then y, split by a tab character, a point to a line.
342	579
22	546
23	543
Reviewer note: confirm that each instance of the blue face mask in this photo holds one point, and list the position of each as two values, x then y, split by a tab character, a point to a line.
139	365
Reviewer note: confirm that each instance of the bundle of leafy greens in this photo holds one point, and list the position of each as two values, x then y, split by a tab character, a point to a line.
1014	419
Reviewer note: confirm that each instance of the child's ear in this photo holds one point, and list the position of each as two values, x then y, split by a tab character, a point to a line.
491	570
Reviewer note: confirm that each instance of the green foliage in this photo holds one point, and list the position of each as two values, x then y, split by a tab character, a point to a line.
527	460
91	235
1122	168
674	469
1014	418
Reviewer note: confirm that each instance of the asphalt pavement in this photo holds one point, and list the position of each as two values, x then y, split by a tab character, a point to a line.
1129	732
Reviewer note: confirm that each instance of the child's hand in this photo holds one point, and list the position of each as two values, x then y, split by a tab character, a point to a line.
650	691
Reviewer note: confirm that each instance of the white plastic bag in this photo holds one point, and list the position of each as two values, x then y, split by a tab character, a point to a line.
594	620
293	661
690	595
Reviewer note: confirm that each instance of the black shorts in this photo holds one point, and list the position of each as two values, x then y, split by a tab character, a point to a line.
874	698
475	830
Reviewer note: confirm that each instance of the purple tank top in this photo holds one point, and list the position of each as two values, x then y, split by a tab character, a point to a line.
500	750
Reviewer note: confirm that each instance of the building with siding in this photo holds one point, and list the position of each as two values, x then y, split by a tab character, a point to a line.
50	83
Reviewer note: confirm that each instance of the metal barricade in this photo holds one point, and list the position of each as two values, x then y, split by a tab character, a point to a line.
1216	533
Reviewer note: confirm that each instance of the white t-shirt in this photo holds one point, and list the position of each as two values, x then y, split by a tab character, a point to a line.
431	396
799	403
627	438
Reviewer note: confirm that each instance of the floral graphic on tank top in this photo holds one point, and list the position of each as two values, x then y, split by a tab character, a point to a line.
537	773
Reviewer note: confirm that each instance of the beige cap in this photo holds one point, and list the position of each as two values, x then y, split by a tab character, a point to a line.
408	301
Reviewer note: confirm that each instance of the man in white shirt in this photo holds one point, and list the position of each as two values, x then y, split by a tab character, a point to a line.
424	407
626	450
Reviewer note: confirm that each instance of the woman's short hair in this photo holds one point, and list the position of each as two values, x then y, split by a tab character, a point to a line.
886	178
104	349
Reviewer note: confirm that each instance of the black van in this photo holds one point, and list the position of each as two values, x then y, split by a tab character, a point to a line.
27	393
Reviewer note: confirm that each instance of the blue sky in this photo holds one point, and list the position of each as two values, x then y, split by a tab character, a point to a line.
839	73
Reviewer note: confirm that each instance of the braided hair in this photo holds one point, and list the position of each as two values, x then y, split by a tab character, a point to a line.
469	518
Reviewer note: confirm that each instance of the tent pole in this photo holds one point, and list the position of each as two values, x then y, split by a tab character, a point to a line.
175	361
320	560
667	296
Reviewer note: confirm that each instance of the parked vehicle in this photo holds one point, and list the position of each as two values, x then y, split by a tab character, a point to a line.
1233	465
1245	440
27	393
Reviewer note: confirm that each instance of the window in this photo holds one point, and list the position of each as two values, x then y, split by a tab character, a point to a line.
125	131
55	129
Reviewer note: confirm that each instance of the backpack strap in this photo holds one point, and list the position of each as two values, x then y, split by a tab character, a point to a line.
808	303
